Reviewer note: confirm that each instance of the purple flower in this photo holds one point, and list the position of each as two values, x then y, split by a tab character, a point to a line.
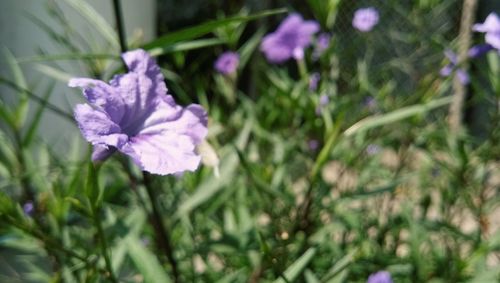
313	144
491	27
313	81
227	63
447	70
322	43
134	115
324	100
28	208
372	149
479	50
380	277
289	40
365	19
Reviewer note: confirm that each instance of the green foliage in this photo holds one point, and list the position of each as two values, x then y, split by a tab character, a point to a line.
384	188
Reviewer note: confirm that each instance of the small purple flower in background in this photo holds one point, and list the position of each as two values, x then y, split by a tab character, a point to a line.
290	38
134	115
313	144
491	27
323	102
479	50
365	19
370	102
227	63
380	277
372	149
28	208
322	43
313	81
447	70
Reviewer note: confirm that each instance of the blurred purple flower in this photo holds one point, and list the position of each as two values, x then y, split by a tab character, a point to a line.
324	100
28	208
380	277
372	149
313	144
447	70
322	43
313	81
365	19
491	27
462	76
292	36
134	115
370	102
479	50
227	63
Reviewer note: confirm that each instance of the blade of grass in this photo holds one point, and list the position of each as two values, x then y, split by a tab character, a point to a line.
184	46
394	116
145	261
37	99
61	57
205	28
93	17
32	128
21	109
54	73
296	268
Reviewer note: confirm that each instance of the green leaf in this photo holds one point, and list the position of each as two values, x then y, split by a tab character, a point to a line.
211	186
32	128
54	73
397	115
37	99
21	110
184	46
145	261
336	270
296	268
247	49
94	18
204	28
71	56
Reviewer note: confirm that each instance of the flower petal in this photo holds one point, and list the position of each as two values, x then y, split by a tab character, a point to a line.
101	95
97	127
163	153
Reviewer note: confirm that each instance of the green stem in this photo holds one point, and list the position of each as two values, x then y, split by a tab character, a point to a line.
162	235
94	200
119	24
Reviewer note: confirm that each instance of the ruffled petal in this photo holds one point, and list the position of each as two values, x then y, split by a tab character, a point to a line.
274	51
140	62
163	153
97	127
190	121
101	95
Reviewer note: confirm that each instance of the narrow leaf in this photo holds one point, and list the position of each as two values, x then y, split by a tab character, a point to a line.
205	28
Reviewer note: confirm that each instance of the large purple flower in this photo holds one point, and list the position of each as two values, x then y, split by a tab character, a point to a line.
380	277
491	27
365	19
134	115
289	40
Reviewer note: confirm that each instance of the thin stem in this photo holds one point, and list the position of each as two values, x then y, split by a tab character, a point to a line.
464	42
120	25
104	246
162	236
93	197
